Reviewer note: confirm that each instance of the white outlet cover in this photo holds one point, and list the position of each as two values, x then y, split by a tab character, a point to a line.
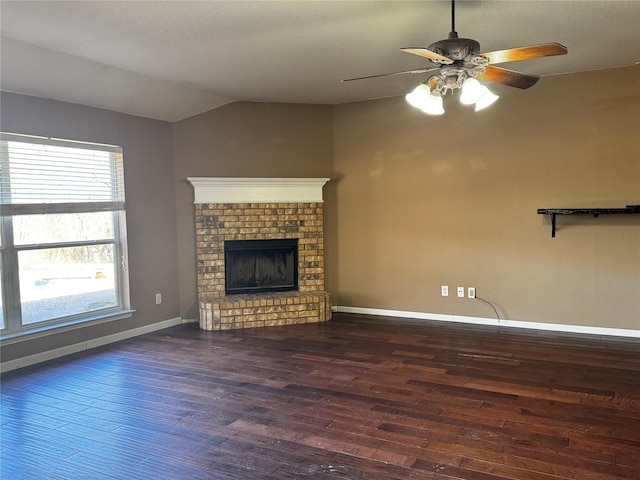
461	292
444	290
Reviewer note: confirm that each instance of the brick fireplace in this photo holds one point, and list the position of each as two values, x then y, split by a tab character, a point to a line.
234	209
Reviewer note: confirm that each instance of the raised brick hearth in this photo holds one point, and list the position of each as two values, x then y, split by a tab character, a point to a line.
264	310
219	221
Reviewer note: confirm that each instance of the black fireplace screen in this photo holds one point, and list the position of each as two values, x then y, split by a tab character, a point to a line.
254	266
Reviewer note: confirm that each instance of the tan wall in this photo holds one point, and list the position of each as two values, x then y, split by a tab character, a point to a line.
151	219
245	140
427	201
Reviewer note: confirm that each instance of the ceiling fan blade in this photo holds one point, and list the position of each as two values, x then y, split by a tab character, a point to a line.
509	77
428	54
419	70
525	53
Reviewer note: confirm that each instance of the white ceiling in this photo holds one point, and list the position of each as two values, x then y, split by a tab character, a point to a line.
172	59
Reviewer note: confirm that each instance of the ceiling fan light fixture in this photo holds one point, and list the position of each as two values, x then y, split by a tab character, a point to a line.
424	99
472	91
433	106
418	96
487	99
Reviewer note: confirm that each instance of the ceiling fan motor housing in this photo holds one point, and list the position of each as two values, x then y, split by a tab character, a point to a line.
456	49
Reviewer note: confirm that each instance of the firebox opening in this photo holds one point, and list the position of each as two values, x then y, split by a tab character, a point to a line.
255	266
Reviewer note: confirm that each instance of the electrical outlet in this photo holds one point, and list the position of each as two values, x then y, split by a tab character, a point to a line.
158	298
460	292
444	289
471	292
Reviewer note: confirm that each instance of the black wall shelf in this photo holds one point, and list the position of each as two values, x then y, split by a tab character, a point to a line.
628	210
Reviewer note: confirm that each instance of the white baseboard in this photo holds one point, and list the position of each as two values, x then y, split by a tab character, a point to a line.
555	327
82	346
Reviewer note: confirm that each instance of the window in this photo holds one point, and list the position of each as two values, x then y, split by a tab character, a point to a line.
62	243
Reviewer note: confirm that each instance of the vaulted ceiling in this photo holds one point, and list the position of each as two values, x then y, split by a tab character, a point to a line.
172	59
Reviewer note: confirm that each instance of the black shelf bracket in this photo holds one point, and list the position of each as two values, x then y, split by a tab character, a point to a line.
628	210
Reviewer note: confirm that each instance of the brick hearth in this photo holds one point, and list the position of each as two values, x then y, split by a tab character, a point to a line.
264	310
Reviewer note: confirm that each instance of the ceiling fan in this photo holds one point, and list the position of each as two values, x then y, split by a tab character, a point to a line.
458	59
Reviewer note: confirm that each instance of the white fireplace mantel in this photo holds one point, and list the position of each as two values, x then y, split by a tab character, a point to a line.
257	190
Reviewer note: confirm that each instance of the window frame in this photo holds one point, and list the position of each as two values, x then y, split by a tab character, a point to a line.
13	324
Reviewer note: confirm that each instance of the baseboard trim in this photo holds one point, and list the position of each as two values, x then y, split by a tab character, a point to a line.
554	327
82	346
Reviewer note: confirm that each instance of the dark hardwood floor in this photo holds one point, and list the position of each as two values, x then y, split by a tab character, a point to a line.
356	398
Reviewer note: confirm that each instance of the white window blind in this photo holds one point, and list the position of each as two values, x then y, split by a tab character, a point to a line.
36	174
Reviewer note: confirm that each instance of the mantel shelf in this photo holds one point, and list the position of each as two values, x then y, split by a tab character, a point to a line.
629	209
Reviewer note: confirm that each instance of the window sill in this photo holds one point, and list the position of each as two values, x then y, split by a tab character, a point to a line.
44	331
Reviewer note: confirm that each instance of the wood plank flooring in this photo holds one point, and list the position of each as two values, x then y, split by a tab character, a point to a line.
358	397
